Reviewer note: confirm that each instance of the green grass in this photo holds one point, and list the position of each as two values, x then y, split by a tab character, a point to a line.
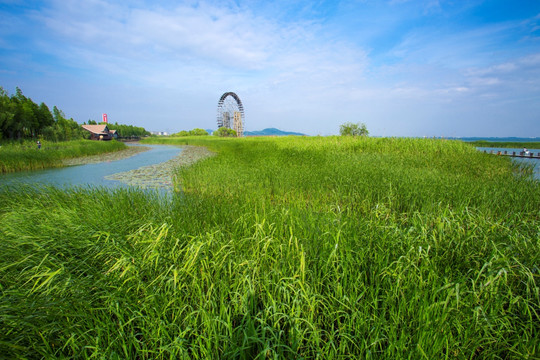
26	156
502	144
282	248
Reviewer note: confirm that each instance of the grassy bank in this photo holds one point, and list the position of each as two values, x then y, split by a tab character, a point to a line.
282	248
501	144
26	156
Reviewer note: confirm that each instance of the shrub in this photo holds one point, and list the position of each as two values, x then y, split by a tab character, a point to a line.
350	129
225	132
197	132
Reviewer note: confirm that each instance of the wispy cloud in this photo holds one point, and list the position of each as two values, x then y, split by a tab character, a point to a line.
304	64
213	34
113	37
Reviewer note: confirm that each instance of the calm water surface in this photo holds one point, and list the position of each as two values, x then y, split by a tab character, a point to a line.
92	174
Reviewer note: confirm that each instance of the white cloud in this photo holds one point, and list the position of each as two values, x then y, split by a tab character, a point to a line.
289	66
202	45
217	35
175	43
522	74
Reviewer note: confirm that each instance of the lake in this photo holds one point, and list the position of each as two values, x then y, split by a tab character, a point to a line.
92	174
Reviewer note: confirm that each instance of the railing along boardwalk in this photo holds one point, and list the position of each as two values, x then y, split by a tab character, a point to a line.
520	154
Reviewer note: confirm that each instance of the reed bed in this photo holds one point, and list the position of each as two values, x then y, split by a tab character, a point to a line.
26	156
507	144
314	248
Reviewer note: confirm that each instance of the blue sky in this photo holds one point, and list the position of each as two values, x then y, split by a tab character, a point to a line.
402	67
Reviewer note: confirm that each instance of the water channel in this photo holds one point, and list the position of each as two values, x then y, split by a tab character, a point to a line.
92	174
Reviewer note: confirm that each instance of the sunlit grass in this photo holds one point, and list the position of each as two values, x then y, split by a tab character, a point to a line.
506	144
282	248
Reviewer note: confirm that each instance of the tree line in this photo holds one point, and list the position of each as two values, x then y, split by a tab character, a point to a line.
192	132
123	130
22	118
222	131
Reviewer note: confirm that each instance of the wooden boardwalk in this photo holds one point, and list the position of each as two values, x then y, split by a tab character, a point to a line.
520	154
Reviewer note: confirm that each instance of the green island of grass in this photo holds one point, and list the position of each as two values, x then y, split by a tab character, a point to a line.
506	144
22	156
280	248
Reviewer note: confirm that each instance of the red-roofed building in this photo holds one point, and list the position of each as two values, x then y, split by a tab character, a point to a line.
100	132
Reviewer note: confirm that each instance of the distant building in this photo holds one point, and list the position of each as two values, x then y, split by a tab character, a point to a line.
159	133
100	132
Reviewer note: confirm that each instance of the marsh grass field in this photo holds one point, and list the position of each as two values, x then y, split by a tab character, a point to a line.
282	248
506	144
15	156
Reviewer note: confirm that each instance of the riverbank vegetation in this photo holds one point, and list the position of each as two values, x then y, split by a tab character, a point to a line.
192	132
296	247
506	144
124	131
25	155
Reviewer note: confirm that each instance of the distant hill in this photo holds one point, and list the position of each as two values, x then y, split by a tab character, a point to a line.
271	132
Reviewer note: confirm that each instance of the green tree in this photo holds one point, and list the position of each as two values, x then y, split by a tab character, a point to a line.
20	117
44	117
58	114
198	132
63	129
225	132
126	130
7	113
351	129
24	118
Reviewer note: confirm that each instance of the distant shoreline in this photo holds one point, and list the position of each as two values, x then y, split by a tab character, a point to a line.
498	139
506	144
